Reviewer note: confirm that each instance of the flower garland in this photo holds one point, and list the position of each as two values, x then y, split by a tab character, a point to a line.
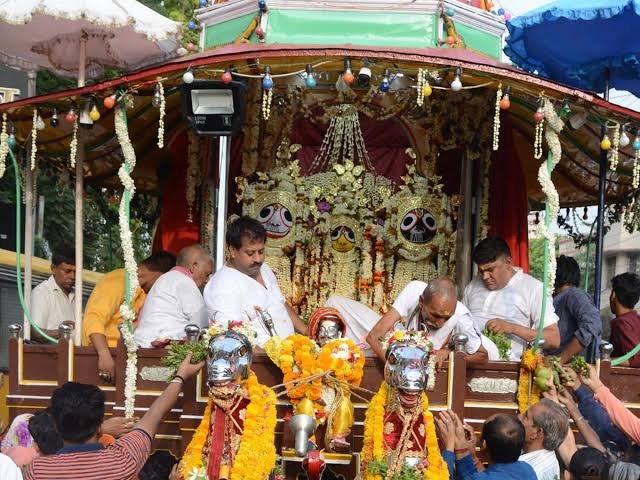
256	453
193	172
34	136
267	96
162	107
635	182
373	449
537	143
131	267
4	145
73	146
422	81
496	120
528	364
298	361
554	126
614	157
344	358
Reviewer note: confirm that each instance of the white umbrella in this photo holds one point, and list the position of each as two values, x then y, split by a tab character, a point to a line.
80	37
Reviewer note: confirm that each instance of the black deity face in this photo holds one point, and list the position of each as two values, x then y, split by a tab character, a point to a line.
418	226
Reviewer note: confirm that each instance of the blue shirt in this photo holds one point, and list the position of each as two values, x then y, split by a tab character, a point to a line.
498	471
579	318
598	418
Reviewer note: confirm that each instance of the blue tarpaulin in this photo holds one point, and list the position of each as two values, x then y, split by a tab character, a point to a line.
582	43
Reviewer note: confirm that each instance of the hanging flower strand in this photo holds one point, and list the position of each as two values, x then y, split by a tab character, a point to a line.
538	117
615	155
496	120
34	138
267	93
636	169
131	268
4	145
73	146
161	106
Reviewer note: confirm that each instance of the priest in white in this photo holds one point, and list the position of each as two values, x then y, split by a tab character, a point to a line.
504	299
432	307
175	300
246	288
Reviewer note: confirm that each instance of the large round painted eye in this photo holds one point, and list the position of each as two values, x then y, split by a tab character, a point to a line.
242	351
266	213
429	221
287	218
335	235
409	221
348	233
392	359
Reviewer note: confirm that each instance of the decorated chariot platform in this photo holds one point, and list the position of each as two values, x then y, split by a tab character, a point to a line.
376	142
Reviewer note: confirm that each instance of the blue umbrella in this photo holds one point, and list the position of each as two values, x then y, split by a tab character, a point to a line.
589	44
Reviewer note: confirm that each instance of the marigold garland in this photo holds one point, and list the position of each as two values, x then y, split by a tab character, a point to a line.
530	360
256	454
349	370
298	360
373	447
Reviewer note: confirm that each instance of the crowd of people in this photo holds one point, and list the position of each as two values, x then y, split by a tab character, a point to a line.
71	440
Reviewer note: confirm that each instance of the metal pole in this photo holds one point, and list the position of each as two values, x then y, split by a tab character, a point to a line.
28	217
82	61
79	240
602	185
221	202
464	240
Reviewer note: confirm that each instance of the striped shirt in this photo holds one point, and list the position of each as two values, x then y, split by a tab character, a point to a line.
122	460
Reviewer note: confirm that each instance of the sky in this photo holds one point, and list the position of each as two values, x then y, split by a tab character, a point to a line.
519	7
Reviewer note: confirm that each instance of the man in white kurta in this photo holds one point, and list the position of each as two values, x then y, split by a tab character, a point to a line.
175	300
506	300
232	295
53	301
246	288
440	314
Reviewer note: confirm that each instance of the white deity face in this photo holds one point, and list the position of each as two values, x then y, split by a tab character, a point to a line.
328	330
418	226
276	219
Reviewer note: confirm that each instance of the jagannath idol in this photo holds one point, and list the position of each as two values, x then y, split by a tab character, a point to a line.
235	439
399	432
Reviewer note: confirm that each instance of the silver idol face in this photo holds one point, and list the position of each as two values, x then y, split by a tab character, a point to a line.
406	372
327	331
229	358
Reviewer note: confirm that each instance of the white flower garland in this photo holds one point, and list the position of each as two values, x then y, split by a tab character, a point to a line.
267	96
73	146
4	145
131	267
554	126
615	156
636	169
537	144
422	82
162	113
34	137
496	120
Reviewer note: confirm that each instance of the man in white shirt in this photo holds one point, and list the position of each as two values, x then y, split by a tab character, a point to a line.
246	288
504	299
545	427
432	307
52	302
175	300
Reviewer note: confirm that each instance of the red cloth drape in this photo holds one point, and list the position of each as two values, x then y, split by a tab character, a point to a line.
508	207
174	232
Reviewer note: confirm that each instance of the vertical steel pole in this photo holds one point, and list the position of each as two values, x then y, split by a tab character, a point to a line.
221	200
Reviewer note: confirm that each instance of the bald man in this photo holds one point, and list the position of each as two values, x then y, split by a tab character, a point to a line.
175	300
433	307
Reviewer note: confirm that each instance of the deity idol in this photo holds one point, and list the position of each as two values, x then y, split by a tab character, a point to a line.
399	431
239	422
345	361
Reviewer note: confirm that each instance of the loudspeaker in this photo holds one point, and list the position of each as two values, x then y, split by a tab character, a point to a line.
8	226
